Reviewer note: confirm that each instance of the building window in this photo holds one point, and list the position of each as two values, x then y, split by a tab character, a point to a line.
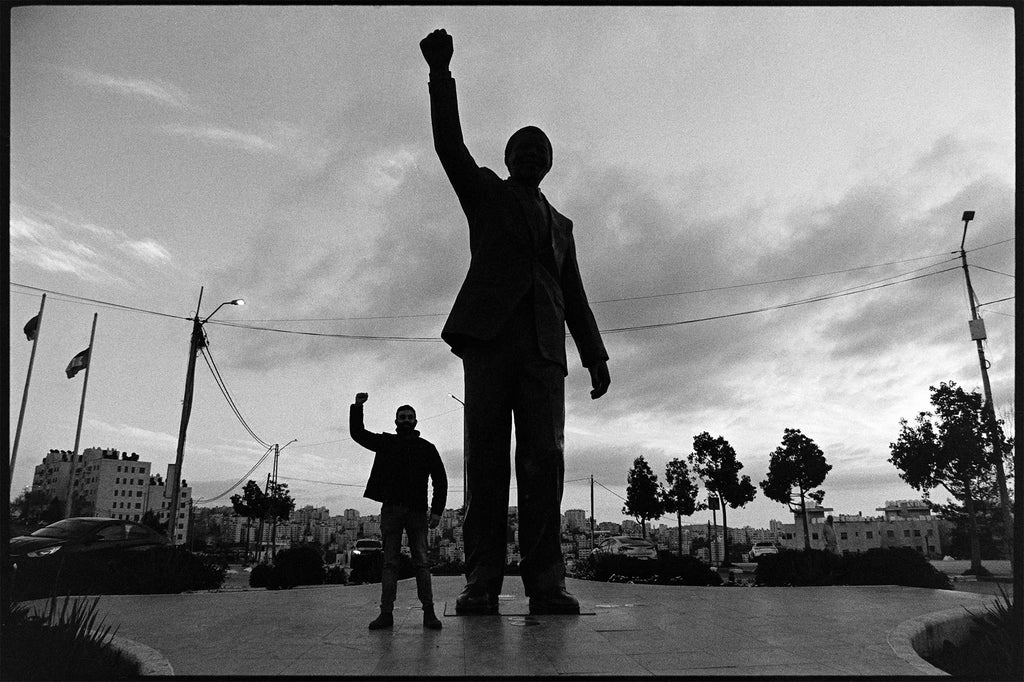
906	533
931	548
138	494
890	534
917	533
814	536
138	505
842	536
870	534
928	532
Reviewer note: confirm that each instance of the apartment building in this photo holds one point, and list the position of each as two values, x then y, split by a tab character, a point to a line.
107	482
904	523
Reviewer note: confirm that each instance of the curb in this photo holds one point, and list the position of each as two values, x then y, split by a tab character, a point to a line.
151	661
926	633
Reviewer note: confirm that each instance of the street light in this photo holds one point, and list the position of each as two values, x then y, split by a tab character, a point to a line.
465	450
196	343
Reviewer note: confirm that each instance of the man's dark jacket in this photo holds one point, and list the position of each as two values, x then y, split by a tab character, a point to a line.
401	466
509	263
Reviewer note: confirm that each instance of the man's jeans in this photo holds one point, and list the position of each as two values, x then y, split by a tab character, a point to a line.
394	518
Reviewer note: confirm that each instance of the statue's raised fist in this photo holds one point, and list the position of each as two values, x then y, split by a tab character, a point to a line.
361	398
437	49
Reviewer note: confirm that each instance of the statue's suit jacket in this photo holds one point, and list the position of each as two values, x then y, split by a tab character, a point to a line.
510	260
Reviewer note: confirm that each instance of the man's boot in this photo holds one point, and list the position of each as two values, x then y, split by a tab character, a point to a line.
384	620
430	619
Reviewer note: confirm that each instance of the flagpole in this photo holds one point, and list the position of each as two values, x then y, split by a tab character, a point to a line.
24	397
81	413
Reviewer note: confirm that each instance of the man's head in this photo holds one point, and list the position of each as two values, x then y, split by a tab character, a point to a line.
405	419
528	155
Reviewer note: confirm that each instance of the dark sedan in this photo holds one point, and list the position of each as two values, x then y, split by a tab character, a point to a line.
75	550
81	535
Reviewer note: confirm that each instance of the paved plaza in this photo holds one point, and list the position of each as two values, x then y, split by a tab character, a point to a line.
635	630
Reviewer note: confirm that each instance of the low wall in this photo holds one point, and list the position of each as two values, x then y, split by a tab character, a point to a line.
151	661
919	637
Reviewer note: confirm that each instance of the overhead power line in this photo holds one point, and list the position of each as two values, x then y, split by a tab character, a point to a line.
244	477
434	339
205	351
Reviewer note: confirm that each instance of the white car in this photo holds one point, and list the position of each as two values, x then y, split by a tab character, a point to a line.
760	549
625	545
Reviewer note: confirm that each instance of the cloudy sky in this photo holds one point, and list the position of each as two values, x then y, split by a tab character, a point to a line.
720	165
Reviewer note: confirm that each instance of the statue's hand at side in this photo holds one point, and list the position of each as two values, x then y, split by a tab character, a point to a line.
599	379
437	50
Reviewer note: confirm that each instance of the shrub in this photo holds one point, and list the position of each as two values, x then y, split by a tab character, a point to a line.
796	568
60	645
685	570
336	575
880	566
991	651
455	567
161	570
260	575
891	566
301	565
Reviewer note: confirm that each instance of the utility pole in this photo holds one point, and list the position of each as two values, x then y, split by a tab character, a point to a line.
591	512
186	411
977	327
197	341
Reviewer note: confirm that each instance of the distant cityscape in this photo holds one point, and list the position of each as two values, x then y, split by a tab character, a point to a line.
120	485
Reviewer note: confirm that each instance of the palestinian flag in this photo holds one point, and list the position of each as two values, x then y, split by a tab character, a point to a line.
32	328
78	363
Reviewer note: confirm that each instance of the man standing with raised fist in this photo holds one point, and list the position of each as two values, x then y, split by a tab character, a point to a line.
508	326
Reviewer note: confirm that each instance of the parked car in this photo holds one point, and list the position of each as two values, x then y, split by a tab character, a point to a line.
75	549
367	546
760	549
82	535
366	560
626	545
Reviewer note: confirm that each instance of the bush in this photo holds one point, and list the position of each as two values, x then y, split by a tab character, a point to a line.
991	651
161	570
455	567
798	568
260	575
367	568
685	570
336	575
61	645
880	566
891	566
302	565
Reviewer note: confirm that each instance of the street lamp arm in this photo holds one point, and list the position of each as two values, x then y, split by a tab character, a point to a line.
237	301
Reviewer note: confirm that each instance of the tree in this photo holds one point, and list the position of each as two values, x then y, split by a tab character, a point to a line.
714	461
151	520
30	506
642	499
798	463
279	507
251	504
950	447
680	497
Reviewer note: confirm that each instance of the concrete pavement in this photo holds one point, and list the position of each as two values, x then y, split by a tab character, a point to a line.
635	630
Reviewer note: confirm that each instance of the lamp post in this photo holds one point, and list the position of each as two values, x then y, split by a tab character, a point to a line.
197	342
977	329
465	451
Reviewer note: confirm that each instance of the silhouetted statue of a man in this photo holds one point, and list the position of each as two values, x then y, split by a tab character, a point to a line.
508	325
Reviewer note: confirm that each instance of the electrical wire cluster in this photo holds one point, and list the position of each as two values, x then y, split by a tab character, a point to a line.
901	278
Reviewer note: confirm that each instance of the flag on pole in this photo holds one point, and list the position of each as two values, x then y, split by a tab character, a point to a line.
32	328
78	363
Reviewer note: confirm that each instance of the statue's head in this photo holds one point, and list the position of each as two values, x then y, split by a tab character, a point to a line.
528	155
